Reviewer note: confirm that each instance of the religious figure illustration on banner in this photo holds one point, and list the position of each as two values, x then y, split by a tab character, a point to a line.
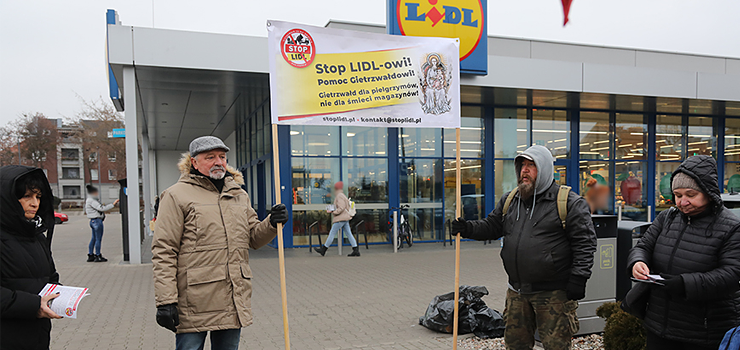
434	82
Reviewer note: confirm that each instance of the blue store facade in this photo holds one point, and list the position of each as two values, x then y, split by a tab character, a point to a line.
630	143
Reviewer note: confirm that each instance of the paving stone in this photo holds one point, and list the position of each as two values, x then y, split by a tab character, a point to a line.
334	302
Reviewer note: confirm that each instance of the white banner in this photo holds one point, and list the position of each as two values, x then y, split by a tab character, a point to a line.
322	76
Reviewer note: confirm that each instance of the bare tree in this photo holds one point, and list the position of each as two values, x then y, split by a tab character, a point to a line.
8	146
39	138
95	122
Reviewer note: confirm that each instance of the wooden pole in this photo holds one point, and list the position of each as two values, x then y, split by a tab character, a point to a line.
458	213
281	251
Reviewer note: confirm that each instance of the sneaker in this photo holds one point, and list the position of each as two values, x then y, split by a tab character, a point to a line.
90	257
100	258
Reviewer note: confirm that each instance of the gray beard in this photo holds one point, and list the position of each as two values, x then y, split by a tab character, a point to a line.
217	176
526	190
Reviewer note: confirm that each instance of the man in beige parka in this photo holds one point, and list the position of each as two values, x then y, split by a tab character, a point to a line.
205	228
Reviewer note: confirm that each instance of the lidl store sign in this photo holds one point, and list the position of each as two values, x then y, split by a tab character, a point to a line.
463	19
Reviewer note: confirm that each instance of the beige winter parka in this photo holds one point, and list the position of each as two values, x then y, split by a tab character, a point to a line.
201	251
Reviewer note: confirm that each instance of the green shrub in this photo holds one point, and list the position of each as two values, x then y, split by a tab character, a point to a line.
622	330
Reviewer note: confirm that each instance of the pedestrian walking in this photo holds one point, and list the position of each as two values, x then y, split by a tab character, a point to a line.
26	265
95	211
548	253
205	228
341	214
695	248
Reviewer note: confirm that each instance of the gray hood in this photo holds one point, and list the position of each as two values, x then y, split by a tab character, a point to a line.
543	160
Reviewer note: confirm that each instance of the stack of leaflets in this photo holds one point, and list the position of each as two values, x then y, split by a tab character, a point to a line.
66	303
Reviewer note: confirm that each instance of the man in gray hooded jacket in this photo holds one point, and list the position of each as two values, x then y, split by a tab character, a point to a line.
548	264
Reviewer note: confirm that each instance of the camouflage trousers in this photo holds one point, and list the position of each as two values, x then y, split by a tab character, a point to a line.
550	313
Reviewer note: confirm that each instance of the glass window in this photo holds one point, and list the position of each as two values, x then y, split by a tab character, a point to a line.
669	137
313	179
552	125
70	173
71	192
362	141
544	98
472	190
629	189
700	107
560	173
366	179
471	135
732	177
594	101
375	225
421	188
318	221
421	181
599	171
732	139
663	194
510	97
416	142
631	136
314	140
594	139
669	105
701	139
506	177
511	134
732	108
471	94
629	103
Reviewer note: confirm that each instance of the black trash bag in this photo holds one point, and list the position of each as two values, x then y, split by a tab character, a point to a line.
475	316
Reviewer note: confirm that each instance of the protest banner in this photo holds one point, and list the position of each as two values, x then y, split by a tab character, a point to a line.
323	76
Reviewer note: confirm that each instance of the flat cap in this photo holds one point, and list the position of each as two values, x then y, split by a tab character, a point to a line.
205	144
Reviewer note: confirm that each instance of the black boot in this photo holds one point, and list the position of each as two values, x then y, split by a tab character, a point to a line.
90	257
321	250
100	258
355	251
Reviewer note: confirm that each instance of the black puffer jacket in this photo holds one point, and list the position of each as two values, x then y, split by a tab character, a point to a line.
705	250
26	265
538	254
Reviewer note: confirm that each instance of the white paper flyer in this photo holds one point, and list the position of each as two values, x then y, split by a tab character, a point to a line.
66	303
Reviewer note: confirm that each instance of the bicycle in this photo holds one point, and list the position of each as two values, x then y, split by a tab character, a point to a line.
405	233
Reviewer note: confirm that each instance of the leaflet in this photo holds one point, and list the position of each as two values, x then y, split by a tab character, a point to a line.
66	303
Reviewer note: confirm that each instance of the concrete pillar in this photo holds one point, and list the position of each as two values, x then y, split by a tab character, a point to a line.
132	165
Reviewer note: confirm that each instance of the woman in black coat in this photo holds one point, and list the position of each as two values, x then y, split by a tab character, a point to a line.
696	248
26	265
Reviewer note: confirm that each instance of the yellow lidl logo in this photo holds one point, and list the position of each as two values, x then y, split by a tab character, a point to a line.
461	19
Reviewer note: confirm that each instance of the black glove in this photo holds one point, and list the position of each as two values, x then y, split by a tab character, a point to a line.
576	289
674	285
167	317
461	226
278	214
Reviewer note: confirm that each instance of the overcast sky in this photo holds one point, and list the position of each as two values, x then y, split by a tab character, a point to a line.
52	52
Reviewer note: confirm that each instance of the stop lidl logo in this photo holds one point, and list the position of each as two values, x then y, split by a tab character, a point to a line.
443	18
